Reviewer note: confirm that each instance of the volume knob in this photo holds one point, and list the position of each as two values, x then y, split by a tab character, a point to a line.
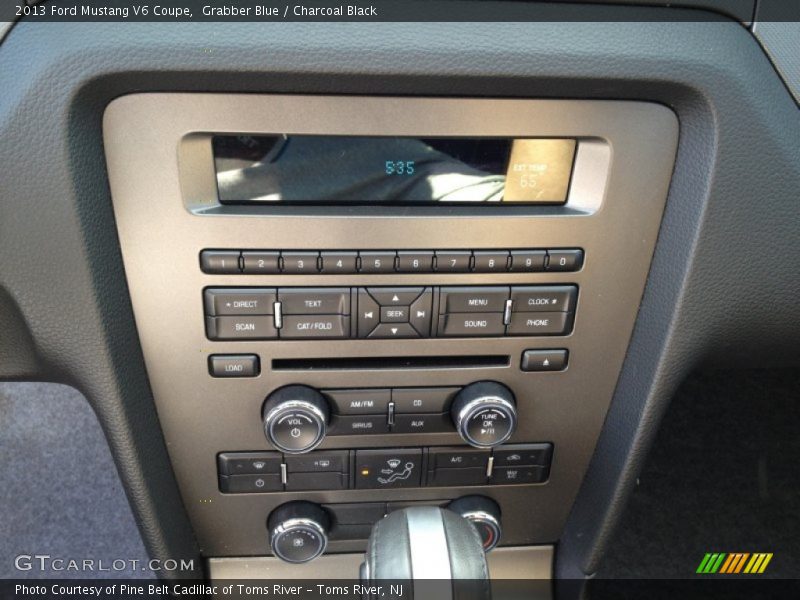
484	414
295	418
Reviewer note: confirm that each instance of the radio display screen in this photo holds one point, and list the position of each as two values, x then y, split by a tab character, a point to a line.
316	169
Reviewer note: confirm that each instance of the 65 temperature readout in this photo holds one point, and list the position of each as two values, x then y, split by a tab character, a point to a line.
399	167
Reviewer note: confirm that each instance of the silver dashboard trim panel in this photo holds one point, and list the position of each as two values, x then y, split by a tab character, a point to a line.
157	149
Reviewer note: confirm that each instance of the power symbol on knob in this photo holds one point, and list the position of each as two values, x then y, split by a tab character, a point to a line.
295	418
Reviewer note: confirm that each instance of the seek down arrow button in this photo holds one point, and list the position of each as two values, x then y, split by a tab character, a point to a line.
394	330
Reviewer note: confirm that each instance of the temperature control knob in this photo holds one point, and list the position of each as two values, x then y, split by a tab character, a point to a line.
484	414
298	531
295	418
484	514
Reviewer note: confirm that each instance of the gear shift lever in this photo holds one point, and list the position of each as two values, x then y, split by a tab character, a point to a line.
435	550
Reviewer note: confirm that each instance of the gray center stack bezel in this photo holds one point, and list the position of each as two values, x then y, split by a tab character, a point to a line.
161	177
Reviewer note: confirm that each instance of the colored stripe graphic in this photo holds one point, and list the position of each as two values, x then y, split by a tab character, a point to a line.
711	562
727	564
734	563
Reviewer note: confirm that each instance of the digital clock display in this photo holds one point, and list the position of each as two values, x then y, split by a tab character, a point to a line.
295	169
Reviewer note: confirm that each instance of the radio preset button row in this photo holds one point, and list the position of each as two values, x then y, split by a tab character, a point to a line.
270	262
385	468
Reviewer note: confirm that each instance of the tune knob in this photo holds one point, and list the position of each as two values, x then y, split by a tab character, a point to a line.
295	418
298	531
484	514
484	414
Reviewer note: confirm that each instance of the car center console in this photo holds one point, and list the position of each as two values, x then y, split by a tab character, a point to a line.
368	303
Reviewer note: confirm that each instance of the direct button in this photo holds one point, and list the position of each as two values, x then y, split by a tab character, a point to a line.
539	323
473	299
321	326
241	328
314	301
472	325
359	402
233	365
422	400
544	298
243	301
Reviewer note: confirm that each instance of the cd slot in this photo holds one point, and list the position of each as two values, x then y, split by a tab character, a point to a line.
391	363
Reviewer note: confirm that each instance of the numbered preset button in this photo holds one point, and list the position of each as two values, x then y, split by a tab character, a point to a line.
300	262
415	262
339	262
261	262
377	262
453	262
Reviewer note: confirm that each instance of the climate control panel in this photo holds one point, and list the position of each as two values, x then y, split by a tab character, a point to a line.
383	468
